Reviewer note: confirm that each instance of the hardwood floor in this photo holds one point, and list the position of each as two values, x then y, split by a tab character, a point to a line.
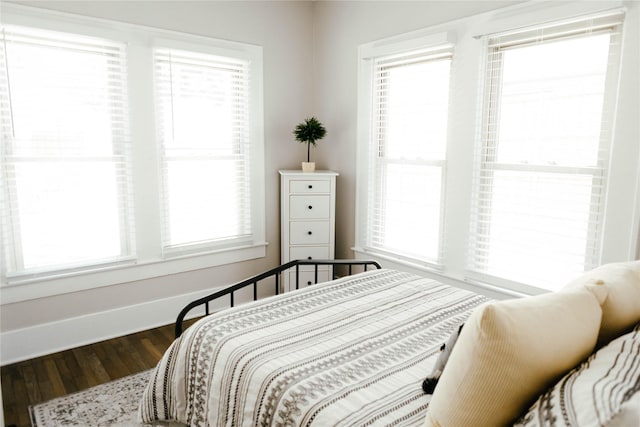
37	380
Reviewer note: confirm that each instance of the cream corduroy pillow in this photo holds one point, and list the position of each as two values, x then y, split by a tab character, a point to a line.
621	308
509	352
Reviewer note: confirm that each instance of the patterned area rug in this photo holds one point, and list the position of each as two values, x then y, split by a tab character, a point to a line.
111	404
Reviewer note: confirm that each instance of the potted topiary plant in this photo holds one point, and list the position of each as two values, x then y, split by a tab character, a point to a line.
308	132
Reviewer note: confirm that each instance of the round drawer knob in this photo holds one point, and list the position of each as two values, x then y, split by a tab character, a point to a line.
310	186
309	258
309	233
309	283
310	207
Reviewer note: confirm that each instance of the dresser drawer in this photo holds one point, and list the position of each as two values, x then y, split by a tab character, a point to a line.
309	252
308	232
309	207
310	186
307	278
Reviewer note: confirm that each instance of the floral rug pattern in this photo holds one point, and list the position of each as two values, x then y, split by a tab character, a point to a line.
111	404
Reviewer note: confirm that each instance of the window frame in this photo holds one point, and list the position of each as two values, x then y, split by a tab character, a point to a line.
487	142
243	151
149	261
382	162
369	143
621	227
119	157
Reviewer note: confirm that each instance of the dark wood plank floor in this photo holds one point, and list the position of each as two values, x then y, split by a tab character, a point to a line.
37	380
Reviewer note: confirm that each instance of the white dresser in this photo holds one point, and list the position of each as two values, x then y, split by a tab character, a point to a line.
307	222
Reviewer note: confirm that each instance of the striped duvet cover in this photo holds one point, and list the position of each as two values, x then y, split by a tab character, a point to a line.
349	352
604	390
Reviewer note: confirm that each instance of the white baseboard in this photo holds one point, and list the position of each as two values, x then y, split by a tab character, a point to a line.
35	341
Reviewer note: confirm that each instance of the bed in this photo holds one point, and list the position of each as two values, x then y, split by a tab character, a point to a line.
354	351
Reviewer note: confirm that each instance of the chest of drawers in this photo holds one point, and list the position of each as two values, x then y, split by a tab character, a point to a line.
307	222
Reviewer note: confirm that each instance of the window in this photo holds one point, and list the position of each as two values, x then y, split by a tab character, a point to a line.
541	184
409	133
526	179
203	135
127	153
65	151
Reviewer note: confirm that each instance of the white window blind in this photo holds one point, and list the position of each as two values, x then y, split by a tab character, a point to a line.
408	144
65	162
203	126
538	202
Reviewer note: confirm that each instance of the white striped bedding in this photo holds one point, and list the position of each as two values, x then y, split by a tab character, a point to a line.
349	352
602	391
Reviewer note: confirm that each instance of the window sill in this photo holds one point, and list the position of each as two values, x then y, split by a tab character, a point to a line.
478	286
28	289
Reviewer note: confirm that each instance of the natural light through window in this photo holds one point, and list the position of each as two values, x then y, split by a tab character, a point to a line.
410	131
66	154
541	185
127	152
203	120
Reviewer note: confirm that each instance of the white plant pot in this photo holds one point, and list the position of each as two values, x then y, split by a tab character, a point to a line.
308	166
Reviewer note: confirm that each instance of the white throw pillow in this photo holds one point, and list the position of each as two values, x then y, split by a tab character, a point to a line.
509	352
621	308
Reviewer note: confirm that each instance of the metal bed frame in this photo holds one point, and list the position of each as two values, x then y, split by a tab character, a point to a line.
274	272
